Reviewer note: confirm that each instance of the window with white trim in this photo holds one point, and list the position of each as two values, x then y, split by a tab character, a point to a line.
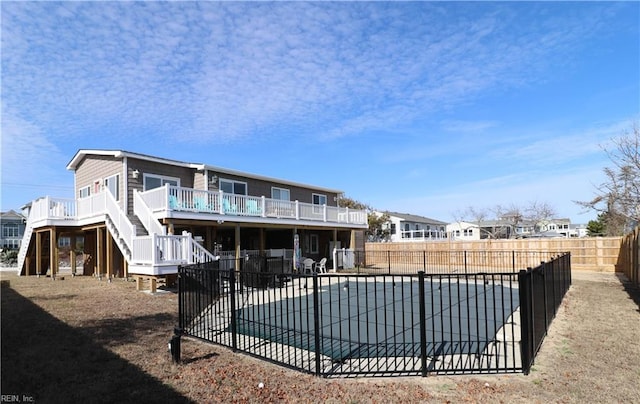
112	184
10	230
233	187
319	199
84	192
280	194
152	181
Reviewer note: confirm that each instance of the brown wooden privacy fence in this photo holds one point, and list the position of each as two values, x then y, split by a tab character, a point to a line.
629	258
588	253
448	262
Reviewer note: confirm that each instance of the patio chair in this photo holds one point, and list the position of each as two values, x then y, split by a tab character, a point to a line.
174	203
307	265
199	203
321	267
253	208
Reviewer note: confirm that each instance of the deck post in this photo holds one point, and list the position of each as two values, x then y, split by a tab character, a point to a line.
38	253
72	255
53	253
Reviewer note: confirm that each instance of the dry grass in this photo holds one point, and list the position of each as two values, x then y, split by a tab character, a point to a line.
84	340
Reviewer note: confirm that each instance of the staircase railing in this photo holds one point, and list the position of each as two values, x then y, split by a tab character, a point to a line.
126	230
24	246
142	210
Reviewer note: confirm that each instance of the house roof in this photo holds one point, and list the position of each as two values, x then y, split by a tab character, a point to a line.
414	218
11	214
82	153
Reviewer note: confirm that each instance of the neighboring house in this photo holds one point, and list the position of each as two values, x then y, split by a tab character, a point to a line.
504	228
463	231
140	214
578	230
12	225
560	226
525	228
407	227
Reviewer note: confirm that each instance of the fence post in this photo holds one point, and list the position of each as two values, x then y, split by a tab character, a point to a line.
545	296
524	288
513	261
423	326
174	343
389	261
232	301
316	322
424	261
465	261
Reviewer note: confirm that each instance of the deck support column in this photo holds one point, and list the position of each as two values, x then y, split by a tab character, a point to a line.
237	237
38	253
352	240
72	254
99	251
53	252
109	254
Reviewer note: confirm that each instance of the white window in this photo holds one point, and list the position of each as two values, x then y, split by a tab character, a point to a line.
468	232
233	187
10	230
111	183
84	192
151	181
280	194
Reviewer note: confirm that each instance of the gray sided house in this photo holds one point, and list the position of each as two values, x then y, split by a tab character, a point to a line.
12	225
141	214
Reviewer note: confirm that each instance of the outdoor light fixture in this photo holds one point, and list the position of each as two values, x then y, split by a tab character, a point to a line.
214	179
135	174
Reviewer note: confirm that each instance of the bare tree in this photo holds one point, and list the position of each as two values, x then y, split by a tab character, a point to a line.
501	221
618	197
539	213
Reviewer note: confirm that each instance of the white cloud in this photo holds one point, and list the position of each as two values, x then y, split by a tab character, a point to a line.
223	70
31	164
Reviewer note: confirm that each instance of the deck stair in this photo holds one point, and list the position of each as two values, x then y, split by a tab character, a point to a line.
24	247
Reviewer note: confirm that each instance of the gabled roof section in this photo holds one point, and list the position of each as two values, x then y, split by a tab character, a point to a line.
11	214
414	218
81	154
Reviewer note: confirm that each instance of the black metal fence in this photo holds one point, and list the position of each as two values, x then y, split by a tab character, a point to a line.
541	291
364	324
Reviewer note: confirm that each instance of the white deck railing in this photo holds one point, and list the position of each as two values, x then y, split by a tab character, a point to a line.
173	198
416	235
158	249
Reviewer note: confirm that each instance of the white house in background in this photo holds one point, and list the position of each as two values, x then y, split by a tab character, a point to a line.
464	231
578	230
560	226
407	227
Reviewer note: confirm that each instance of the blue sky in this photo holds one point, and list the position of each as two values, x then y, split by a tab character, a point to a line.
418	107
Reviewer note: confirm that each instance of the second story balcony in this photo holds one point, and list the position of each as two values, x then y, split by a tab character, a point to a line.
188	203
